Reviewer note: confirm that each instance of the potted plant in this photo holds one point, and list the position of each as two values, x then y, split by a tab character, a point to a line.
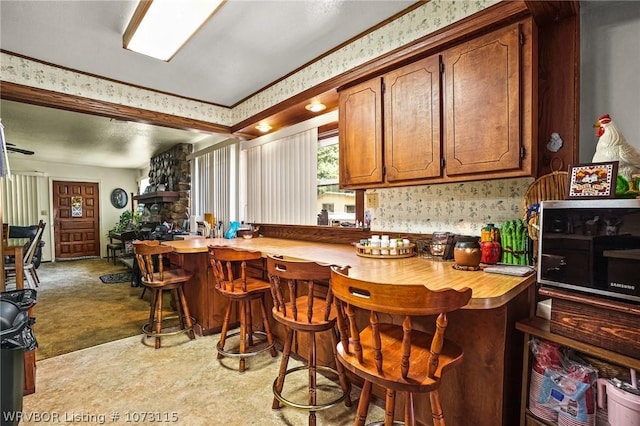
128	221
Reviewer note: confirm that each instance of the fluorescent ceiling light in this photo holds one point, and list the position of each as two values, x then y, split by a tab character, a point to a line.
159	28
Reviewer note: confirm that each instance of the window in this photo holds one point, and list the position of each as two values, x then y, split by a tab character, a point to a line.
330	197
281	180
328	207
214	182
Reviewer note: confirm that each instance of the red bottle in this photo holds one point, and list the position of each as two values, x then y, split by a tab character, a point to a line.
490	252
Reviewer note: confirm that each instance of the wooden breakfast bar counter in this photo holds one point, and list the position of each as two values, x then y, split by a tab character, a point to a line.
484	390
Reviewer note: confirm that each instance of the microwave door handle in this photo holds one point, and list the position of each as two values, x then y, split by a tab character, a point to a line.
551	262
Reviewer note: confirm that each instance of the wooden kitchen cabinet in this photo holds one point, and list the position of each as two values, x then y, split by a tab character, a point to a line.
410	149
466	113
482	104
360	130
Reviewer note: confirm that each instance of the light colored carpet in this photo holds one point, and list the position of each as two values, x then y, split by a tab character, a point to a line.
75	310
183	383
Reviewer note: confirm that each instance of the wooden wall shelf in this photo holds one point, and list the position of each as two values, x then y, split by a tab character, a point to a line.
158	197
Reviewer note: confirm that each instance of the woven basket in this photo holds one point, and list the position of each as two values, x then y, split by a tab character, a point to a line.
548	187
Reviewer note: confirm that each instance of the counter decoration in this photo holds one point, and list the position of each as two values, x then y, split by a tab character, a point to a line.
515	243
467	255
490	244
385	248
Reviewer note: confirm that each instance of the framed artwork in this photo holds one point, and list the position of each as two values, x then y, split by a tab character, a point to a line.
592	180
76	206
119	198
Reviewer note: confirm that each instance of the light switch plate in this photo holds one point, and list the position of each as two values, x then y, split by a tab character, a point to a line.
372	200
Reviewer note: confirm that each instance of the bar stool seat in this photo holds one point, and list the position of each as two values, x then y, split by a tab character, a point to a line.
300	306
231	280
149	257
395	355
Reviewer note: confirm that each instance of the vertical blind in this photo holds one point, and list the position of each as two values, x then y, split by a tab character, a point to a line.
20	199
215	184
282	180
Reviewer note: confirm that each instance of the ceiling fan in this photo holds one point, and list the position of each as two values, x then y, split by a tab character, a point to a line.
11	147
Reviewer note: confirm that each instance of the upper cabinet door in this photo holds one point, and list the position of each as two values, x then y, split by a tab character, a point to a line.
482	104
360	130
412	121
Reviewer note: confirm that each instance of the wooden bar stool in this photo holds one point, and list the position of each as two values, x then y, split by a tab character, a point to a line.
231	280
149	256
395	356
303	304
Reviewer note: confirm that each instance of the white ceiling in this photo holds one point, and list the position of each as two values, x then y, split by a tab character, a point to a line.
243	48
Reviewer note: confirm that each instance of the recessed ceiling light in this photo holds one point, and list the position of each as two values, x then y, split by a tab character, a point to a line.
159	28
316	106
263	127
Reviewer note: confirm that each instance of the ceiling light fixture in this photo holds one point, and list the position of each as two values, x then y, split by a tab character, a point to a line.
316	106
159	28
263	127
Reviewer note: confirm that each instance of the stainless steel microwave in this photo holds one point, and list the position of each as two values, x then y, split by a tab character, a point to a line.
591	246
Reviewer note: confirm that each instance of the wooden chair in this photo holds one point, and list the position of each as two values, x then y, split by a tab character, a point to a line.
28	265
394	355
113	249
231	280
303	304
117	248
149	256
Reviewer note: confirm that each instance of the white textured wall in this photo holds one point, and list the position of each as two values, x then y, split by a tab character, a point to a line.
108	179
609	70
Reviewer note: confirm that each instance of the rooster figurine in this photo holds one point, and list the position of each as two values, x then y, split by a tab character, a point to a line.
612	146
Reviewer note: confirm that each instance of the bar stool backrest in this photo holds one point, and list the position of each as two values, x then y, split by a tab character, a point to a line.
229	266
291	279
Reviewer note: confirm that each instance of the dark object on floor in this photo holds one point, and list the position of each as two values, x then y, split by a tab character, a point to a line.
16	338
121	277
28	232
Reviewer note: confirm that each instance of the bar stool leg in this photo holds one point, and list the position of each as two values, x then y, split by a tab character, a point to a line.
363	404
286	352
158	323
267	327
389	406
312	377
243	332
345	384
185	313
436	408
409	412
225	328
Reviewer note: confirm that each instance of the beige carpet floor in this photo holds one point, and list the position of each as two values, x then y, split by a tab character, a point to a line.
75	310
95	367
183	384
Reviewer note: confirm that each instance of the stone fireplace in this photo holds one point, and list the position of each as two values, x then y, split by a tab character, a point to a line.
167	196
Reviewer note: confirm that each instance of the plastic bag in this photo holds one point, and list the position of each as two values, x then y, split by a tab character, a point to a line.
567	385
231	230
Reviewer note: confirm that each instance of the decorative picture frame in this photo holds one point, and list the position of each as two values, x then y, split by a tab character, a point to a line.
76	206
119	198
592	180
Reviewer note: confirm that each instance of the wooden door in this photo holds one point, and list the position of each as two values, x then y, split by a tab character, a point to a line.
360	133
76	209
483	104
412	144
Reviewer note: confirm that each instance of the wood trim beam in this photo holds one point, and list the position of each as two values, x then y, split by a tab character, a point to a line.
66	101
